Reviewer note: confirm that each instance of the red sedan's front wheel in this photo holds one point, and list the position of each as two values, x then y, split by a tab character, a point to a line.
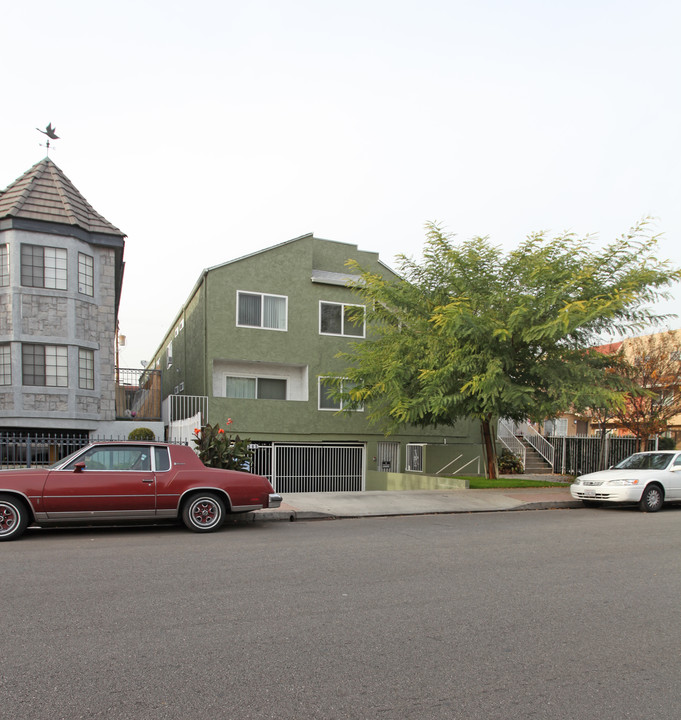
13	517
204	512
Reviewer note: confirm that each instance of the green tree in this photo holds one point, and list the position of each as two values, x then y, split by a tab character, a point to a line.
473	332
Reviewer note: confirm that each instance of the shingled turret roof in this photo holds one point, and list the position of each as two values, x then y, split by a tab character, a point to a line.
45	194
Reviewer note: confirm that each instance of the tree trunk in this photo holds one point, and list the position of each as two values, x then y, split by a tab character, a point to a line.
490	449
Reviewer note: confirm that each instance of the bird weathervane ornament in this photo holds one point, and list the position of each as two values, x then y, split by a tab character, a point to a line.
51	135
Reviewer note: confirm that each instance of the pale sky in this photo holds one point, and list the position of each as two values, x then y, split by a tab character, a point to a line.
209	130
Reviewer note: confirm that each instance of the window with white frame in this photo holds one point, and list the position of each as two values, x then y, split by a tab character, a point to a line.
44	365
5	364
86	369
414	457
341	319
255	388
43	267
329	390
4	265
259	310
169	354
86	274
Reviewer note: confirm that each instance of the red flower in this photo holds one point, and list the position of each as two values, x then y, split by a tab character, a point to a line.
197	430
229	421
221	431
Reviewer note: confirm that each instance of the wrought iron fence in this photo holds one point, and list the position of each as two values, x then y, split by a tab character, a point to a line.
290	468
581	455
25	450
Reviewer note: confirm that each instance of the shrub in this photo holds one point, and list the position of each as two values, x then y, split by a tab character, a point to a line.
142	433
510	463
219	450
666	443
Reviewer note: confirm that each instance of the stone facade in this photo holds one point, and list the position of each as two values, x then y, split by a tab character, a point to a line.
43	316
5	313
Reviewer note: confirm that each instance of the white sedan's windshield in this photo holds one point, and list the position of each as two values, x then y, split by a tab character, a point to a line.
645	461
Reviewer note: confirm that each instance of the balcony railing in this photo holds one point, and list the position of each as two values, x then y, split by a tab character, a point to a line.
138	394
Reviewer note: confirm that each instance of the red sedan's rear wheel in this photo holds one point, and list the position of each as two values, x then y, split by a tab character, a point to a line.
13	517
204	512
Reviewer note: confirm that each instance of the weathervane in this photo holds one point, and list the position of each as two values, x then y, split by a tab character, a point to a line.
51	135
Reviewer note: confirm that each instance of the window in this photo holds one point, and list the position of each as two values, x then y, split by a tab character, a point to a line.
5	365
255	388
341	319
86	274
43	267
162	459
4	265
120	457
261	311
414	457
328	387
45	365
86	369
169	354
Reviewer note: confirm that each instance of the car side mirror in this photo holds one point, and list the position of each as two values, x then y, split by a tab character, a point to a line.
79	467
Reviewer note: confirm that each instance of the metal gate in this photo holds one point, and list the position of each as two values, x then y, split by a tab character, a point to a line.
388	457
311	468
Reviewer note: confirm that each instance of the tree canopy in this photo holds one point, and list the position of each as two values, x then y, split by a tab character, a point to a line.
472	331
652	364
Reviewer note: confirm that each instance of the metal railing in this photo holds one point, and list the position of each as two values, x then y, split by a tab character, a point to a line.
507	436
39	449
538	442
581	455
290	468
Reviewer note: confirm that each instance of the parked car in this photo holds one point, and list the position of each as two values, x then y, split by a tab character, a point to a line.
647	478
115	481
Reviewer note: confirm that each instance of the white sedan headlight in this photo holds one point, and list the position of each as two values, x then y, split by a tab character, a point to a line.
621	482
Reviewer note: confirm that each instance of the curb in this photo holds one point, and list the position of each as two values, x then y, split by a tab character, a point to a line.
293	515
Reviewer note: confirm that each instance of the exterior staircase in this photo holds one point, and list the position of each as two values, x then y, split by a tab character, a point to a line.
535	464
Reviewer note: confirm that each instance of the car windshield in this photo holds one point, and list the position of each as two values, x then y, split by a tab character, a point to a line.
645	461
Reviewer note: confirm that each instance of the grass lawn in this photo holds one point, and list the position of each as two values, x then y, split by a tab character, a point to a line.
481	483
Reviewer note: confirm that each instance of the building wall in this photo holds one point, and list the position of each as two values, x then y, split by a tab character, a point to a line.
64	318
207	344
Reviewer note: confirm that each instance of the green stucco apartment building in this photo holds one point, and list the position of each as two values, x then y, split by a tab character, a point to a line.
255	342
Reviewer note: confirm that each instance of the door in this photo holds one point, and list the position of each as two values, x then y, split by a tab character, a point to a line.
106	480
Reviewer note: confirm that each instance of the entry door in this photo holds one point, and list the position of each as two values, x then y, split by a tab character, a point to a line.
115	480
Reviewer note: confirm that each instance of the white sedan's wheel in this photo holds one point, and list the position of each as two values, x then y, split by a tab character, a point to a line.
204	512
652	499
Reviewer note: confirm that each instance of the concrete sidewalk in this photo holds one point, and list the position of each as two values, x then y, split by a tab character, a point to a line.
311	506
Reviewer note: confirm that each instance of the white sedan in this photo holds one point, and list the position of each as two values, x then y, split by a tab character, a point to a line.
647	478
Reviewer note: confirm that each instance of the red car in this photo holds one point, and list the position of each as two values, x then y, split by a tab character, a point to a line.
112	481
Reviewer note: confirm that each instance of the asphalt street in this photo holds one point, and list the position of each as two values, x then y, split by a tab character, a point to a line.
561	614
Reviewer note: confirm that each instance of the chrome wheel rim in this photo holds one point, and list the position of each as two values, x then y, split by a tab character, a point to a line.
9	517
204	512
654	498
